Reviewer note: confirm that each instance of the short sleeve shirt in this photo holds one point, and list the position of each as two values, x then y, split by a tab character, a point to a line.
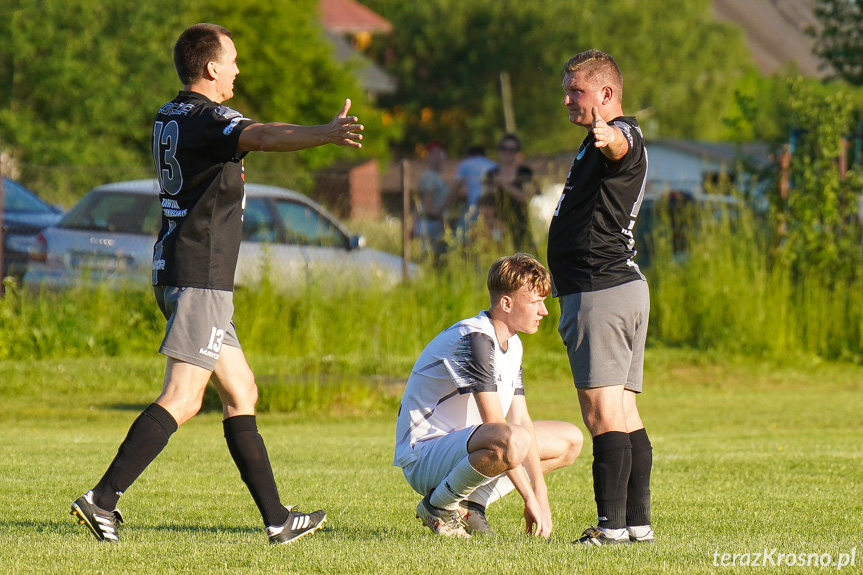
202	196
590	239
439	398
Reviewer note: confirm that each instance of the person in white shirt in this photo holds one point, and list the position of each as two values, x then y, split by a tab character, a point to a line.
464	437
469	176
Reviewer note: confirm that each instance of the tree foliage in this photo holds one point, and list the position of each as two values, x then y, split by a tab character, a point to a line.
80	82
680	67
840	37
819	225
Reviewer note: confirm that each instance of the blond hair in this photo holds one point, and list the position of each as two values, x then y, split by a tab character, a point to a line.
509	274
598	68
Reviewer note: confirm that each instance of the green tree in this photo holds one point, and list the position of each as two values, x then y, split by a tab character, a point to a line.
817	221
840	37
80	81
75	77
680	67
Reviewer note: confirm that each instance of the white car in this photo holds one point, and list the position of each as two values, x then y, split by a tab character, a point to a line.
288	239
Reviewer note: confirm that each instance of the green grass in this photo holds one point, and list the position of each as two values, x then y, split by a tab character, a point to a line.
748	455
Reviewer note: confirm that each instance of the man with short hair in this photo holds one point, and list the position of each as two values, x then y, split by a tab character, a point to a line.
464	437
198	147
604	299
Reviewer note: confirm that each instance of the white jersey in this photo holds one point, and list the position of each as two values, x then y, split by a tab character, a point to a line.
462	360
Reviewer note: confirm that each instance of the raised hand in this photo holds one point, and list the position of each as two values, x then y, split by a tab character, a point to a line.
344	129
602	132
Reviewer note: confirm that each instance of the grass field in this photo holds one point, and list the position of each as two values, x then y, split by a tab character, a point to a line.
748	456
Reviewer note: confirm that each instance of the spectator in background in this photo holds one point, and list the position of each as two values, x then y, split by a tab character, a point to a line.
512	185
432	196
488	230
468	183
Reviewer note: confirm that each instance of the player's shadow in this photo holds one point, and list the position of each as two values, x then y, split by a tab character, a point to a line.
64	528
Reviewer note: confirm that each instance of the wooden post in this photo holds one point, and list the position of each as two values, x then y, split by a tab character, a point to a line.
1	227
407	223
843	157
506	98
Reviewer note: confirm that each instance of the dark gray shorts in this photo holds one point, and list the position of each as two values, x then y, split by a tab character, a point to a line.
199	324
604	332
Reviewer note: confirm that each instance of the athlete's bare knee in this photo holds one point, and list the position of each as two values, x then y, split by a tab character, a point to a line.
516	446
573	441
181	409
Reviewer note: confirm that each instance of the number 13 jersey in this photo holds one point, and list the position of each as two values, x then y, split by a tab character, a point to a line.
201	192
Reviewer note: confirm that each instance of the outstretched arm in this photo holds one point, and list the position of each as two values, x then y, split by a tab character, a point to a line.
343	130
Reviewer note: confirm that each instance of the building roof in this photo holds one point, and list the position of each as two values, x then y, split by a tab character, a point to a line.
372	77
757	153
775	32
349	16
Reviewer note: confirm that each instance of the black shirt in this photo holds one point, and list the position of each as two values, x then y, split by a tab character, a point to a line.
590	239
202	194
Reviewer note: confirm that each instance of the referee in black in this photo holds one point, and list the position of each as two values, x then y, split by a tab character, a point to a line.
198	148
604	299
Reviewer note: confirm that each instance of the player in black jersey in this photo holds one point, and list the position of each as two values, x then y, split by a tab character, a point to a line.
603	296
198	147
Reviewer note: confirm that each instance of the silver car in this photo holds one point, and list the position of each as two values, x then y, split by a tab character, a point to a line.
288	240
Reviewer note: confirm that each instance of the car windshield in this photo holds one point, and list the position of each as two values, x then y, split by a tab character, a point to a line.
17	198
123	213
306	227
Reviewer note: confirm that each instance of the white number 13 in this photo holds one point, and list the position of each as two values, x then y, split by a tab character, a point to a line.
216	337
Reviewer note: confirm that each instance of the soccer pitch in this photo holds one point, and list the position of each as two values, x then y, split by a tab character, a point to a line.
755	464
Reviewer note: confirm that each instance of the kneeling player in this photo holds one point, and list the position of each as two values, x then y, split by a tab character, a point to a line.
464	437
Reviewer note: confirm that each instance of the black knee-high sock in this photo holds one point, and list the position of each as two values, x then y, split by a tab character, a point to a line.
146	439
247	448
638	489
612	461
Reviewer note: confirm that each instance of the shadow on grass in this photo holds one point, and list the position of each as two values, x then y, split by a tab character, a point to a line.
64	527
307	393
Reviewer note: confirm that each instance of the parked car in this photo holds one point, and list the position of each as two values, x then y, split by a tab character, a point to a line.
24	216
108	237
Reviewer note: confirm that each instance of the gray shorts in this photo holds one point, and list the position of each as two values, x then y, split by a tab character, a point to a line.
604	333
199	324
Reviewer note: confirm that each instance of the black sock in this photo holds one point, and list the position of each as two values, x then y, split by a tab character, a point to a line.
612	460
146	439
638	489
250	455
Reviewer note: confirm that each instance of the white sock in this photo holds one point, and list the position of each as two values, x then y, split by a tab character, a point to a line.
460	482
638	530
614	533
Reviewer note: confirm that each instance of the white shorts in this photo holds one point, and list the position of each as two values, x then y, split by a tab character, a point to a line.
437	457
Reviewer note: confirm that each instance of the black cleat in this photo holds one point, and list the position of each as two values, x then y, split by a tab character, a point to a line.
103	524
298	525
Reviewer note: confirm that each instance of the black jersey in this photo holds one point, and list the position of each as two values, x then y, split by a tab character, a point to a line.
202	194
590	239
